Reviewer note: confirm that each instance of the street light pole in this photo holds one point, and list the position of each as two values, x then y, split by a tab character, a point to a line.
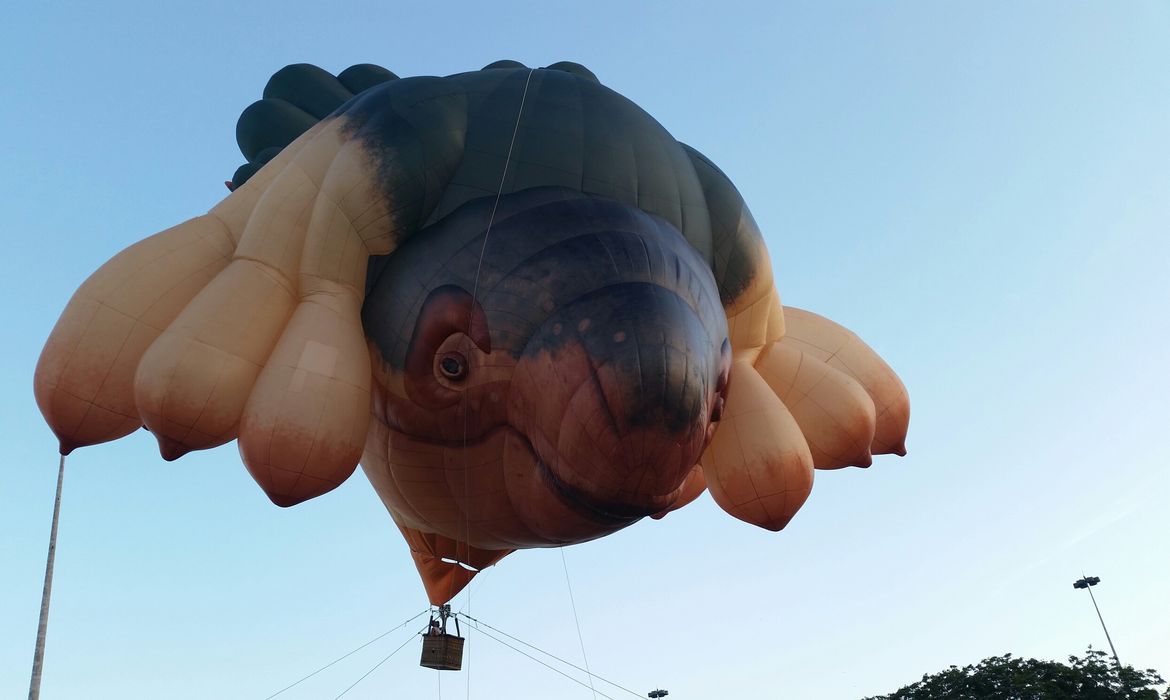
34	685
1087	583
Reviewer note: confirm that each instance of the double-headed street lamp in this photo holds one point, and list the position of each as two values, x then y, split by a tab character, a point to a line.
1087	583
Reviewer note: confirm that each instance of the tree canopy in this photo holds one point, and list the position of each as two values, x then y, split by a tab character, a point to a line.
1093	676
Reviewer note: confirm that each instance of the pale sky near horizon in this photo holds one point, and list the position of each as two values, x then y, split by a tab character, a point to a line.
978	189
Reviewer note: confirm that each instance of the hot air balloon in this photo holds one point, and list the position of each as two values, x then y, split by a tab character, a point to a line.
527	311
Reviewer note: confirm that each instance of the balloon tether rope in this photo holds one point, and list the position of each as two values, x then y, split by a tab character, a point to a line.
580	639
480	626
404	623
471	318
384	660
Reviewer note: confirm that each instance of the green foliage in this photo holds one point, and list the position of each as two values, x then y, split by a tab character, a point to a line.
1093	676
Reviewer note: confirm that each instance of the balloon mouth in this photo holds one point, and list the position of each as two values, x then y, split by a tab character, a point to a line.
607	511
589	503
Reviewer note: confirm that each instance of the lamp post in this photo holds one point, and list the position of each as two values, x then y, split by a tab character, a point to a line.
1087	583
657	694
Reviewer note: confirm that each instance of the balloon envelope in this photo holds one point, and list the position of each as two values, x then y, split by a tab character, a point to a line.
530	313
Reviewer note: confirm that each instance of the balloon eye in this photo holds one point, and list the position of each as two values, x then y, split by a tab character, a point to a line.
453	366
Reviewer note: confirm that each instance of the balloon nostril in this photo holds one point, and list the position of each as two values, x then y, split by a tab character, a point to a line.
724	368
717	410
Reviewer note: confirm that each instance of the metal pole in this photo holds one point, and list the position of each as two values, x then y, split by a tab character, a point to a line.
1107	638
34	687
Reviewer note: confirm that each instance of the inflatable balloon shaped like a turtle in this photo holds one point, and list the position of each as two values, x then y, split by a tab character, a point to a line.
527	311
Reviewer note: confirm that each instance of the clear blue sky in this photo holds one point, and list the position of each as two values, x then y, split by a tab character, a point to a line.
979	189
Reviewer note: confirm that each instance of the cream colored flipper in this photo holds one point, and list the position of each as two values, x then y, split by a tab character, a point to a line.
835	414
85	378
758	466
192	384
842	350
84	381
305	424
804	392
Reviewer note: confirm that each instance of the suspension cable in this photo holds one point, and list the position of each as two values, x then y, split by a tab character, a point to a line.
580	639
503	179
384	660
551	668
404	623
479	624
468	668
474	292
